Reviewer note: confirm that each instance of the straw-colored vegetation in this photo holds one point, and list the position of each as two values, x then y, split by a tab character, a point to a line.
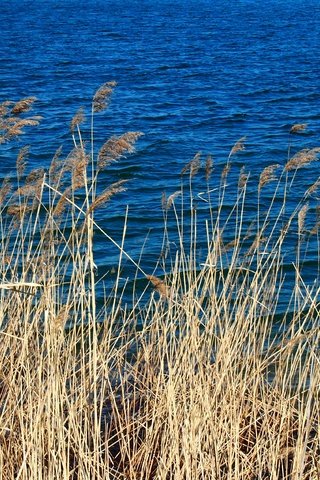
199	378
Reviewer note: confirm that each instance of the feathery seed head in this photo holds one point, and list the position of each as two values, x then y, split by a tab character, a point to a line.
192	166
208	167
159	286
102	96
172	198
77	120
116	147
302	158
225	172
314	187
105	196
4	190
298	127
302	217
21	160
267	175
238	146
23	105
243	178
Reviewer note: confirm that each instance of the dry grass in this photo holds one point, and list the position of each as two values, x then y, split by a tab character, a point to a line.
200	382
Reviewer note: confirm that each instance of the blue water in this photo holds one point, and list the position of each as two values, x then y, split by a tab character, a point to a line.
192	75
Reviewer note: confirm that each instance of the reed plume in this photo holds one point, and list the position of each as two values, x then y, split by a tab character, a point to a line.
172	198
33	183
14	128
243	178
267	175
21	160
160	286
62	203
302	158
314	187
208	167
77	162
116	147
23	105
298	127
316	226
225	172
238	146
193	166
4	108
302	217
56	167
102	96
5	189
77	120
105	196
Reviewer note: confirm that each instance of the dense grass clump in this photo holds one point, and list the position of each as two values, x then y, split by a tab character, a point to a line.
200	378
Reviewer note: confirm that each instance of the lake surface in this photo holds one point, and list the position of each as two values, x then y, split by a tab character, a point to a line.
192	75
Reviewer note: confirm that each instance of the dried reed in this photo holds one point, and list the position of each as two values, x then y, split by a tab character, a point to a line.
208	167
102	96
302	158
238	146
77	120
209	385
105	196
160	286
302	217
23	105
193	166
116	147
21	160
298	127
267	175
172	198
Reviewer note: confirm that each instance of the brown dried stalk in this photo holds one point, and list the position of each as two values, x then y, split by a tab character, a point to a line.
267	175
116	147
102	96
107	194
302	158
23	105
192	166
77	120
298	127
159	286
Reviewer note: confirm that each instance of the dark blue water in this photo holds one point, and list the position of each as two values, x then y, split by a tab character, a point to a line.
192	75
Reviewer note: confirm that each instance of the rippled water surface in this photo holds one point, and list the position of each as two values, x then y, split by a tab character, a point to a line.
192	75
